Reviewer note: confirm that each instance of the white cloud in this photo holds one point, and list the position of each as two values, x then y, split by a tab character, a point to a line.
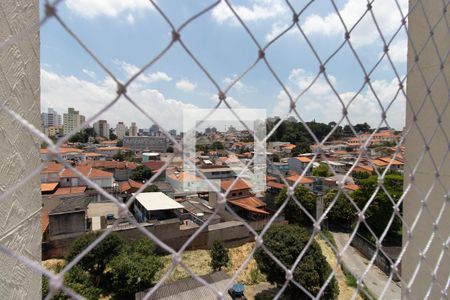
398	51
365	33
130	70
277	28
89	73
259	10
321	104
185	85
130	19
239	86
89	97
109	8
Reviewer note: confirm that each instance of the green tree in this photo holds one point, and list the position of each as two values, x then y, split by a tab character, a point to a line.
342	212
96	260
124	156
141	173
134	269
217	145
119	143
112	135
322	170
358	176
78	280
286	242
292	212
381	208
219	256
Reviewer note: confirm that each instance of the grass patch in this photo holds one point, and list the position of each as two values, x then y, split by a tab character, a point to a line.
330	238
350	280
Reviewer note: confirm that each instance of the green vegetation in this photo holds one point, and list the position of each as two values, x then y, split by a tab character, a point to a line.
124	156
292	212
83	136
112	268
141	173
343	212
380	210
322	170
286	242
219	256
119	143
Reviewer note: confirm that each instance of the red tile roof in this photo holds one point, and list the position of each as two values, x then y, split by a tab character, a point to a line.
49	187
130	184
154	165
70	190
351	187
251	204
275	185
304	180
303	159
52	167
239	185
87	171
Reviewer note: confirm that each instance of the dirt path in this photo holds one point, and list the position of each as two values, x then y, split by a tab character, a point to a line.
345	291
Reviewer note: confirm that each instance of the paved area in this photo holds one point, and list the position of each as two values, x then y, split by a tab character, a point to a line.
375	279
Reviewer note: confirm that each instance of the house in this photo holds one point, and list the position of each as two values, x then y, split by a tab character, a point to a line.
49	188
395	164
129	186
362	168
108	151
51	172
121	169
299	163
73	154
238	189
155	206
304	181
242	200
68	178
157	166
68	219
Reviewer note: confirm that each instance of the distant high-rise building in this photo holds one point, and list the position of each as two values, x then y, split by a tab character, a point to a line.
133	129
51	118
154	129
71	120
101	128
82	120
120	130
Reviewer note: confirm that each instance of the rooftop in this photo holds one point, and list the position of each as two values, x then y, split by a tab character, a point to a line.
157	201
71	205
240	184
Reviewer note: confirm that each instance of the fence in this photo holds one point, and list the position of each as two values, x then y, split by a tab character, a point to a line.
425	243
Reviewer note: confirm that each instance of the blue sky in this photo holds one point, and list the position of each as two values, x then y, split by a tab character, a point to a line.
126	34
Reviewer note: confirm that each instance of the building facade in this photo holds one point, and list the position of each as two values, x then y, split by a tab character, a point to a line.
133	129
71	120
101	128
145	143
120	130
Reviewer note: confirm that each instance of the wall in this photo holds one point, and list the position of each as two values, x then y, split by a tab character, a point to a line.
427	120
19	90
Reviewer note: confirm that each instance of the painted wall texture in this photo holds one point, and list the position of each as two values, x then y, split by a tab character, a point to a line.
426	174
19	90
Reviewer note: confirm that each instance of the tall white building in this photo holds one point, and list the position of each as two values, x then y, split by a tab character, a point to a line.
101	128
133	129
120	130
51	118
71	120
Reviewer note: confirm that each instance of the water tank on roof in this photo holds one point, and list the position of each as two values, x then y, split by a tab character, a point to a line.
148	156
